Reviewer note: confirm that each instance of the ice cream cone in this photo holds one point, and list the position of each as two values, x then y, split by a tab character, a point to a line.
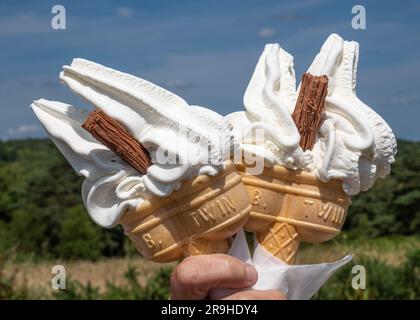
199	218
293	206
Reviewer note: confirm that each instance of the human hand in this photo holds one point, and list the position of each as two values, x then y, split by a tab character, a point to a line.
196	276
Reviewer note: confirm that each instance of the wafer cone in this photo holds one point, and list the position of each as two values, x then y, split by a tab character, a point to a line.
293	206
199	218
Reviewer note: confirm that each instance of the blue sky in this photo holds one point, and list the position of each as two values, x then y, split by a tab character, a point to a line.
205	51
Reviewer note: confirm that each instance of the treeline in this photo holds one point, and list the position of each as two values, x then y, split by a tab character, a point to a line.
41	210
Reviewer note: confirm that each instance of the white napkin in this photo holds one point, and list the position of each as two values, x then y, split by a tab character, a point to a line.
297	282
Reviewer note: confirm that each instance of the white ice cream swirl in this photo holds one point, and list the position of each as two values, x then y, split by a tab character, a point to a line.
353	143
184	141
269	100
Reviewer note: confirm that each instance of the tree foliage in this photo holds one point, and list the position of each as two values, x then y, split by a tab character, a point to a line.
41	210
392	205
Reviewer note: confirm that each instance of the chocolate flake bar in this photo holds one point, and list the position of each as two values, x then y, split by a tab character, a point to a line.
115	136
309	107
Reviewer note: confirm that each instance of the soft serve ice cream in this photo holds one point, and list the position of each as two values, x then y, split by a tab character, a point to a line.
303	193
183	141
352	148
354	144
268	111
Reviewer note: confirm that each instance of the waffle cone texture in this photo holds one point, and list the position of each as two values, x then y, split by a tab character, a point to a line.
289	207
199	218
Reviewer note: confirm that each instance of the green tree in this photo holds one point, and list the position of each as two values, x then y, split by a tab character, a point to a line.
79	237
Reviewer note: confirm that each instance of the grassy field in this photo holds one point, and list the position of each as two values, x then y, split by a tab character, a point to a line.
30	279
37	276
43	223
390	250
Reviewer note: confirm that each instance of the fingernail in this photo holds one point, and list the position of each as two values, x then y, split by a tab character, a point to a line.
251	274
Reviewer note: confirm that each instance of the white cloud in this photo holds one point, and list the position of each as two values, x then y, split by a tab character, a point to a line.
24	24
179	84
405	99
24	129
266	32
213	86
125	12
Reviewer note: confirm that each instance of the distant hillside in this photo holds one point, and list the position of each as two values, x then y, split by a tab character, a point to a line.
41	210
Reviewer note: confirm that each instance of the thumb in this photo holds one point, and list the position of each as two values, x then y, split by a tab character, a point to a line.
194	277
